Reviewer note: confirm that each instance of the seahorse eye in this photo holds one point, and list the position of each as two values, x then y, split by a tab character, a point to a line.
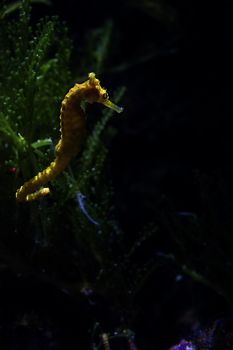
105	96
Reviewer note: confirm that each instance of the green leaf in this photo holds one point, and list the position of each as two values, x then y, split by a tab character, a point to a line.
42	143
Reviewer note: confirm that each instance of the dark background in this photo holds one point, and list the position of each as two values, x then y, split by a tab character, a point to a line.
172	154
176	124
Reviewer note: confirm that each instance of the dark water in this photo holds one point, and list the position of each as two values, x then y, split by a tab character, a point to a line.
170	164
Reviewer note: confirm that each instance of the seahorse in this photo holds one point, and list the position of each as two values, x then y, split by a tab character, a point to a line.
73	133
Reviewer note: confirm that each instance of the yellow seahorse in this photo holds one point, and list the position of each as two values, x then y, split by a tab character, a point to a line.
73	133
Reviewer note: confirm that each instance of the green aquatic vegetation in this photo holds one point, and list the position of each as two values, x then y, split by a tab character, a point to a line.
75	227
8	9
34	75
96	50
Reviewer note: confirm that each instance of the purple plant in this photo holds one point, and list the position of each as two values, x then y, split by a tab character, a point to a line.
183	345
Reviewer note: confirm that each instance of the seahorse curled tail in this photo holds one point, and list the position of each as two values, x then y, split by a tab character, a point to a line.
48	174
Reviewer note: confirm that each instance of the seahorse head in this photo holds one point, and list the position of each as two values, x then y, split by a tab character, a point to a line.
96	93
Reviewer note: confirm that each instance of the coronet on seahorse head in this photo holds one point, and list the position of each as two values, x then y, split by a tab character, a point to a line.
96	93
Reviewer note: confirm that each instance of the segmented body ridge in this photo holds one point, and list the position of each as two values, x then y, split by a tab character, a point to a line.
72	124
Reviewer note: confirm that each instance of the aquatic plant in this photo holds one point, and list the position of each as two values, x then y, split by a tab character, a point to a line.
183	345
34	75
73	232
